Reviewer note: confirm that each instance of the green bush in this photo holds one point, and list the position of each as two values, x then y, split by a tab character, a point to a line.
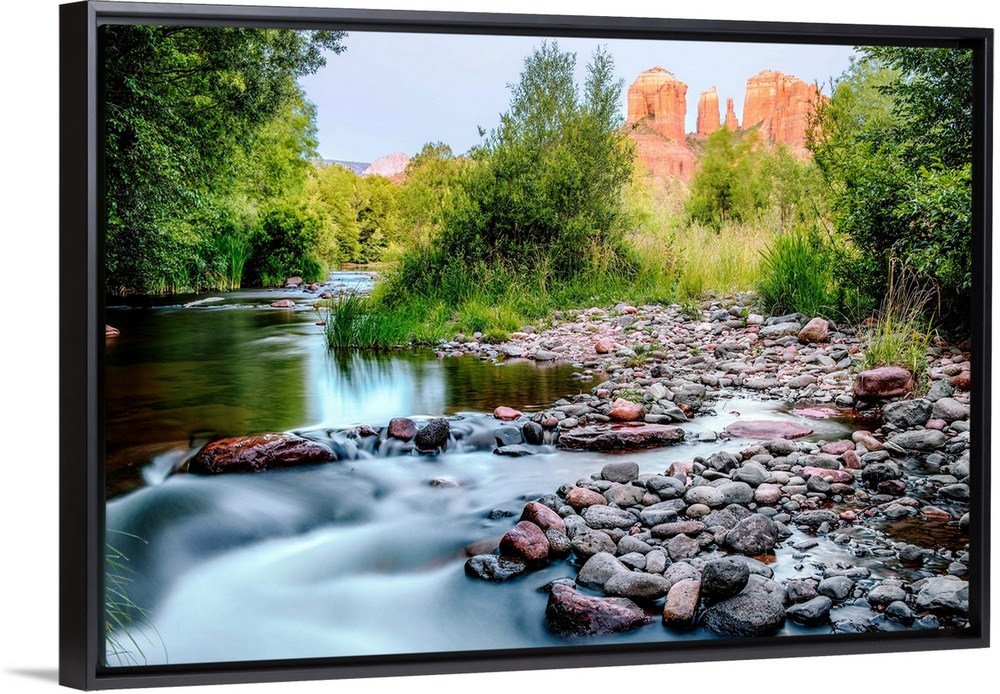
797	275
283	245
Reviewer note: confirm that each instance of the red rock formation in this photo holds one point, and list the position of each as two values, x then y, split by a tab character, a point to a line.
708	112
663	157
779	106
391	166
731	121
660	99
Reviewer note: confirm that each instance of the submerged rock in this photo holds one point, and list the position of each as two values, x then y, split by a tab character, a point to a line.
257	453
570	612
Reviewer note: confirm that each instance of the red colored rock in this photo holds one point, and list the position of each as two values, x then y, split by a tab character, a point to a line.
111	332
542	516
283	303
837	476
767	429
659	99
867	439
605	438
550	422
852	461
881	383
293	281
402	428
838	447
604	346
961	381
569	611
816	412
626	411
257	453
681	467
526	541
603	393
816	330
849	516
935	513
661	156
581	497
708	112
506	414
780	107
731	121
681	604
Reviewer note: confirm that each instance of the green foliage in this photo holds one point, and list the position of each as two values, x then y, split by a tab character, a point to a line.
125	622
282	246
353	322
201	124
432	178
797	275
895	145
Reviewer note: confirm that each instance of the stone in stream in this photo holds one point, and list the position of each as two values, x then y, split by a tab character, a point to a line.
907	414
758	611
258	453
434	436
637	586
724	578
581	497
621	438
526	541
533	433
622	472
752	536
920	440
883	383
283	303
681	604
625	495
950	409
942	594
507	436
515	451
703	494
542	516
766	429
600	567
591	542
490	567
626	411
570	612
506	414
110	331
605	518
835	587
815	611
402	428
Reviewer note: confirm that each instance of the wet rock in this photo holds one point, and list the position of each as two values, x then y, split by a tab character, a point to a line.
506	414
907	414
642	587
283	303
958	492
886	593
570	612
815	611
835	587
899	611
608	438
542	516
526	541
580	498
883	383
876	473
620	472
766	429
625	495
758	611
402	428
799	590
533	433
258	453
950	410
626	411
724	578
587	544
604	517
867	439
752	536
490	567
507	436
920	440
515	451
681	605
596	571
682	547
434	435
943	595
559	543
703	494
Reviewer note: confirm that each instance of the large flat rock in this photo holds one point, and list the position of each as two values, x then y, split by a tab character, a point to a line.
767	429
619	438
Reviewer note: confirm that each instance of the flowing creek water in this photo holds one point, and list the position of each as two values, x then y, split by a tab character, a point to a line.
364	555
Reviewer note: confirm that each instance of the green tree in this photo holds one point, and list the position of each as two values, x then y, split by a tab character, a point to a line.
190	115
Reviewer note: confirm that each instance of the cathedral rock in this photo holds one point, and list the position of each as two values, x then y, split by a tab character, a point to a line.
780	106
708	112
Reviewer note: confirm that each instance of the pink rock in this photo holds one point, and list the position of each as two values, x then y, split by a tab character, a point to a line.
849	516
884	382
542	516
936	424
841	476
283	303
961	381
681	605
569	611
767	494
681	467
550	422
851	460
506	414
767	429
402	428
526	541
867	439
293	281
111	332
604	346
816	412
580	498
935	513
603	393
816	330
256	453
838	447
605	438
626	411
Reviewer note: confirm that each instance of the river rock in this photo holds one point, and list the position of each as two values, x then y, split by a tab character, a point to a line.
758	611
402	428
626	411
604	518
907	414
766	429
682	547
506	414
293	281
768	494
596	571
681	605
526	541
507	436
581	497
637	586
622	472
659	513
258	453
837	476
883	383
559	543
724	578
283	303
533	433
835	587
962	381
814	519
815	611
110	331
611	438
920	440
625	495
490	567
570	612
816	330
434	435
542	516
685	527
950	409
752	536
867	439
703	494
777	330
604	346
515	451
736	493
942	594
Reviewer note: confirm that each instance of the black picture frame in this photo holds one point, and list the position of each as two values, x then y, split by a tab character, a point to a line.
81	344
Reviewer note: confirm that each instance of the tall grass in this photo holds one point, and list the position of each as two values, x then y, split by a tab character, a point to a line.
724	261
233	252
796	275
352	321
901	330
124	621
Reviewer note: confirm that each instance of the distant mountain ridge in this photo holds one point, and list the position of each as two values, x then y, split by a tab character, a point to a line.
357	167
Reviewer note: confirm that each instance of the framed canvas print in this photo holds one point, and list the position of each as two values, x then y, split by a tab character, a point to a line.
407	342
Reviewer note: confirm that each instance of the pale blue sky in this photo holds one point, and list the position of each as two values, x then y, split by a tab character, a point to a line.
394	92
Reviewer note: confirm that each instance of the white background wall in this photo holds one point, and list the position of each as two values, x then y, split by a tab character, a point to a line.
29	387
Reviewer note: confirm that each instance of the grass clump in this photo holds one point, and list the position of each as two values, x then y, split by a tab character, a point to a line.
797	275
352	321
